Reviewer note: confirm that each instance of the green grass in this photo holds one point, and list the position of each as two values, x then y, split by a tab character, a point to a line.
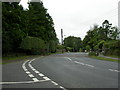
112	56
106	59
6	60
59	53
14	57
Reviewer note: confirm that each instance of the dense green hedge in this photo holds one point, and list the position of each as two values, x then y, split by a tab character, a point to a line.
93	54
33	44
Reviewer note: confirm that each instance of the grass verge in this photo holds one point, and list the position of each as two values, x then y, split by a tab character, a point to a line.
9	59
106	59
113	56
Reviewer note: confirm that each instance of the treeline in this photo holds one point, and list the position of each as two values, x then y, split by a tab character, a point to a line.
102	39
28	31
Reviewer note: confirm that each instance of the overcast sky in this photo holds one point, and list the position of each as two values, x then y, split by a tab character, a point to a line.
76	16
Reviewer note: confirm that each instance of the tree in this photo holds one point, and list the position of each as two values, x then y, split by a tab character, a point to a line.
12	33
19	24
73	42
98	35
88	48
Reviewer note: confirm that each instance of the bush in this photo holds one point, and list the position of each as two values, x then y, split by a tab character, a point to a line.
116	52
52	46
93	53
33	45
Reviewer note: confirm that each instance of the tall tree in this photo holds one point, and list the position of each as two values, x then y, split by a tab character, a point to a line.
73	42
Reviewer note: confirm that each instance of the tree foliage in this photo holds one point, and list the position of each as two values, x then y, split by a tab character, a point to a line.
73	43
99	37
19	25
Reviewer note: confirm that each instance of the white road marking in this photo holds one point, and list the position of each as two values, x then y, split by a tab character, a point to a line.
23	65
30	75
62	88
25	69
79	63
35	79
22	82
75	61
37	71
28	72
30	66
54	83
46	78
89	65
68	58
33	69
41	74
114	70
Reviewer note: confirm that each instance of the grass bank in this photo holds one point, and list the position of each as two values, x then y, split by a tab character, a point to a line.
10	59
113	56
103	58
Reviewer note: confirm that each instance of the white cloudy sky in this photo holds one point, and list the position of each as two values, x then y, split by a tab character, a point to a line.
76	16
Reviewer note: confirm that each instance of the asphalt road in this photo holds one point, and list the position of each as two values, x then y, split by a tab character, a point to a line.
63	71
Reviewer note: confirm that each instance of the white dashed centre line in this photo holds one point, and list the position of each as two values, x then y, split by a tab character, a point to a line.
113	70
68	58
89	65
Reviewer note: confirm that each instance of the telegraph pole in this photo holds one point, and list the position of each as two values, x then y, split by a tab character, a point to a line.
62	38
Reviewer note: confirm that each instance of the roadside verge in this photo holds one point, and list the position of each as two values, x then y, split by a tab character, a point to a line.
104	58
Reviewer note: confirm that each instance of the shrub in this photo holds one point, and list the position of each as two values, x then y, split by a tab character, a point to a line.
93	54
33	45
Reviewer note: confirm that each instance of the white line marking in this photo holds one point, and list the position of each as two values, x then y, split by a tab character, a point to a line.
23	65
54	83
75	61
46	78
62	88
41	74
30	65
30	75
22	82
84	64
25	69
33	69
28	72
114	70
89	65
79	63
111	69
68	58
35	79
37	72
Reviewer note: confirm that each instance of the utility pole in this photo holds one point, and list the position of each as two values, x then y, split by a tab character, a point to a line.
118	19
62	38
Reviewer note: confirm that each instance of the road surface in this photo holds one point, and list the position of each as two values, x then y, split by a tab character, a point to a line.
63	71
